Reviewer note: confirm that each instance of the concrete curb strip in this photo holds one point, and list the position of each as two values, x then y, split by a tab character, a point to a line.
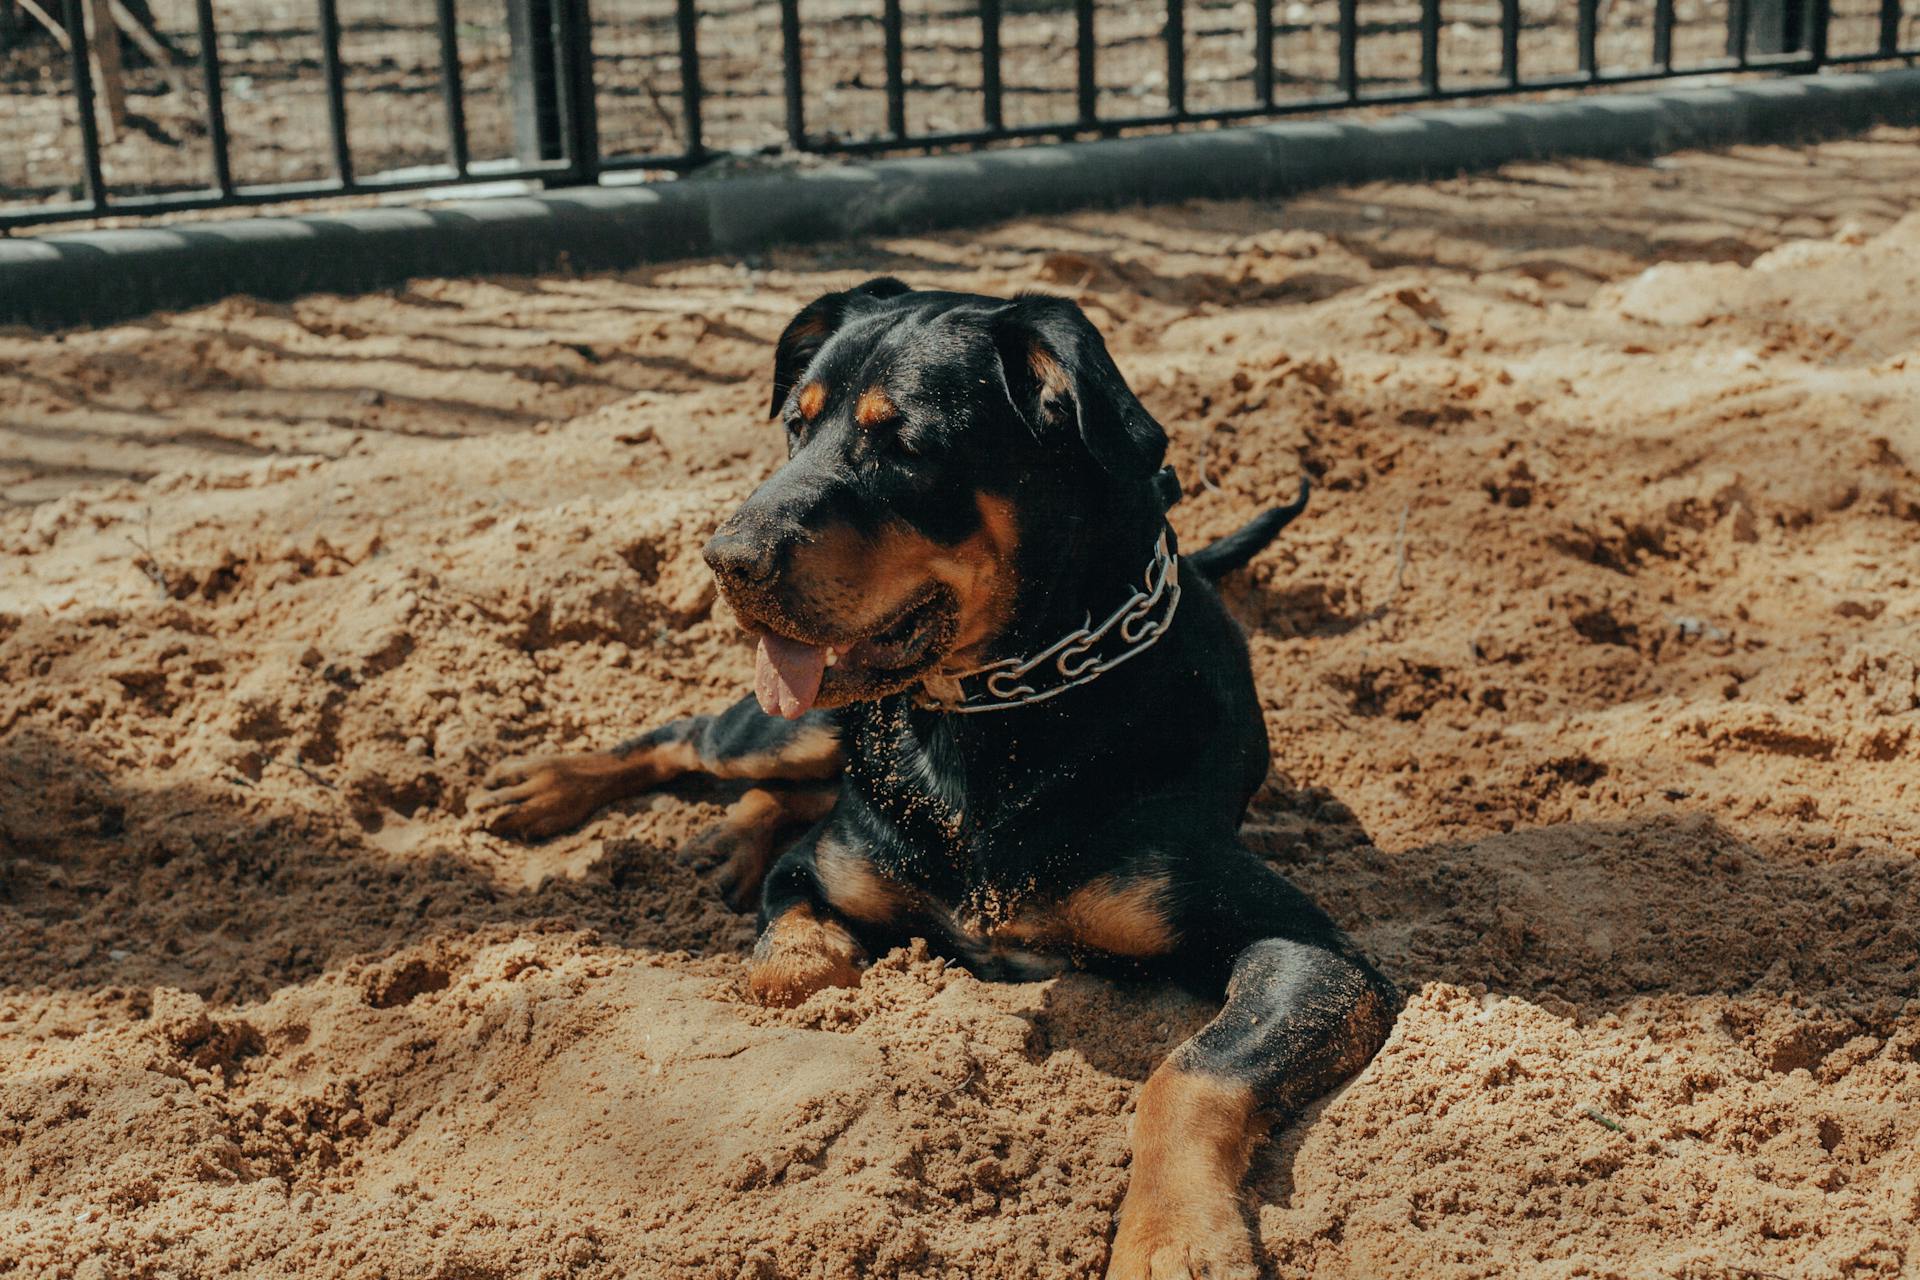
101	276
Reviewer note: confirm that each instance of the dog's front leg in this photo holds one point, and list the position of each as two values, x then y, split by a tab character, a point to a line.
736	852
1299	1017
820	900
533	797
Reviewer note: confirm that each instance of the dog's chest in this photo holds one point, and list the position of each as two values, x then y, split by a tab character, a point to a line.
954	809
1001	937
951	780
934	788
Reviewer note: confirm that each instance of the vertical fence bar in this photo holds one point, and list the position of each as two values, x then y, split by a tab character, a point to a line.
579	105
992	110
453	96
1663	35
790	71
1177	57
1085	90
586	102
1776	26
1430	45
1589	37
1350	49
216	99
533	66
1510	42
1737	23
83	100
1263	52
1821	13
896	69
336	91
565	84
1889	27
687	19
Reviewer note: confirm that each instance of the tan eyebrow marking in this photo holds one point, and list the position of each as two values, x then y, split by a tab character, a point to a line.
813	398
874	406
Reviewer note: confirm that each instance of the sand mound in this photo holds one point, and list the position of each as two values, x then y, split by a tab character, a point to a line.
1593	675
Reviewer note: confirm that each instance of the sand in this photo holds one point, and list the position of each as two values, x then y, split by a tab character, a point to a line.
1593	675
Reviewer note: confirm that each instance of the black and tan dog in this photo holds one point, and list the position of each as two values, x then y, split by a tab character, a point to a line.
1023	727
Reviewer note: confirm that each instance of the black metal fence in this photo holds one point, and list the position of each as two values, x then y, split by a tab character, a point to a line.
141	106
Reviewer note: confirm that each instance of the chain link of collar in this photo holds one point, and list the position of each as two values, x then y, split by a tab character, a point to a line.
1080	656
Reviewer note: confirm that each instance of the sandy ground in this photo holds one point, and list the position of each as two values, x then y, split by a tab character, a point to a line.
1593	676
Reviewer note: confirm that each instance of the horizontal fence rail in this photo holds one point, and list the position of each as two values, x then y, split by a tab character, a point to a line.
134	107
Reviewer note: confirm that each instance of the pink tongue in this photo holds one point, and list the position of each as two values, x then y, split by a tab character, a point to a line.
786	676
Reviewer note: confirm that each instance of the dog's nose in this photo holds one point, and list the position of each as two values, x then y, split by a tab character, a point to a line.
741	558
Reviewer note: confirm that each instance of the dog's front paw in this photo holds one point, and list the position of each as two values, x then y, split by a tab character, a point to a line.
533	797
1181	1234
734	859
1181	1218
800	953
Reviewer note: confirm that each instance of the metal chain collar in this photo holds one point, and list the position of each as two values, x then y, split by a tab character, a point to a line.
1076	658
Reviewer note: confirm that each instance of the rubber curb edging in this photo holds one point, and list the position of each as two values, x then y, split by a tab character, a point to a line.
98	277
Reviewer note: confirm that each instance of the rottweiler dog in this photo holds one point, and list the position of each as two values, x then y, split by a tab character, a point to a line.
1020	724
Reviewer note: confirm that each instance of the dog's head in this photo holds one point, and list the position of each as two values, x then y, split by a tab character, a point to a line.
940	448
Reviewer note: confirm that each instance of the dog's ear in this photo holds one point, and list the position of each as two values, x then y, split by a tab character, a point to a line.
807	332
1061	379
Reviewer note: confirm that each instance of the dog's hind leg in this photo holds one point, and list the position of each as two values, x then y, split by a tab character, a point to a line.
533	797
1303	1011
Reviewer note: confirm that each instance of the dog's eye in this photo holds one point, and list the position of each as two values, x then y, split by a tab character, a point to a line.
796	430
904	440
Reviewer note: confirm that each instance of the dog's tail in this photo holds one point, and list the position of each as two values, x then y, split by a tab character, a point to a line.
1218	559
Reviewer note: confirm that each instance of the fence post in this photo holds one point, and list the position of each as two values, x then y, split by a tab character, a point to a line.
579	107
80	60
533	85
688	20
790	73
1819	12
215	98
992	110
452	92
1773	26
1087	89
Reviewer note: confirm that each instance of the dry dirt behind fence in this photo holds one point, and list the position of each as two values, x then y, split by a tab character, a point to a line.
1591	676
277	115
